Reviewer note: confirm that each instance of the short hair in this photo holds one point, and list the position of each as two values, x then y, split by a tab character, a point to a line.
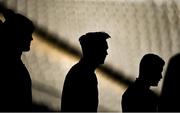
16	28
18	21
150	61
24	22
92	40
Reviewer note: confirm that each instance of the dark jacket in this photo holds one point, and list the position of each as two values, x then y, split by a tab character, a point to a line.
16	90
138	98
80	92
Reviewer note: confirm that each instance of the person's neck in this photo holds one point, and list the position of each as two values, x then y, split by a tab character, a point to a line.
143	83
89	63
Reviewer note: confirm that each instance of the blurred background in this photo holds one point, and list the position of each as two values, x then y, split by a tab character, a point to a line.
136	27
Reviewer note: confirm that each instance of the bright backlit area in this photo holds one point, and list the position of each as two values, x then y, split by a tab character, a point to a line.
136	27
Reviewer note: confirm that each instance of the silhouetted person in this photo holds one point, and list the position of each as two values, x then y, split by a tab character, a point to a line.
16	36
170	95
138	97
80	91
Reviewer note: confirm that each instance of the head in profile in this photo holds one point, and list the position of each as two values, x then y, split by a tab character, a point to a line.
151	67
18	29
94	47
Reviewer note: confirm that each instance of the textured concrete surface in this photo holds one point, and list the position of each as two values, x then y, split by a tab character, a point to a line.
137	27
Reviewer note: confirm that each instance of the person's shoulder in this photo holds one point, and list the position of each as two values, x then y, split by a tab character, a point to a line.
75	68
128	91
134	90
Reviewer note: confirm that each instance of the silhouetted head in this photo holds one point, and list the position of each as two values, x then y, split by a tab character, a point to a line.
94	46
19	30
151	67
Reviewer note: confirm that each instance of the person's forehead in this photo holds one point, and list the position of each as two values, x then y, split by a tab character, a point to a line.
102	45
106	44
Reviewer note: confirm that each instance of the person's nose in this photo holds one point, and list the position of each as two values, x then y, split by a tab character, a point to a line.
31	38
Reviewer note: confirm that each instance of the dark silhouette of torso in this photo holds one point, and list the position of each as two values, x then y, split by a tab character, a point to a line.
170	95
80	92
138	98
16	35
17	95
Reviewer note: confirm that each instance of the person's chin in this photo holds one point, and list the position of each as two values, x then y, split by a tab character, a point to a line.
26	49
155	84
102	62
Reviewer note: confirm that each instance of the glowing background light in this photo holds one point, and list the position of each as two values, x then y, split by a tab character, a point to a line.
137	27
